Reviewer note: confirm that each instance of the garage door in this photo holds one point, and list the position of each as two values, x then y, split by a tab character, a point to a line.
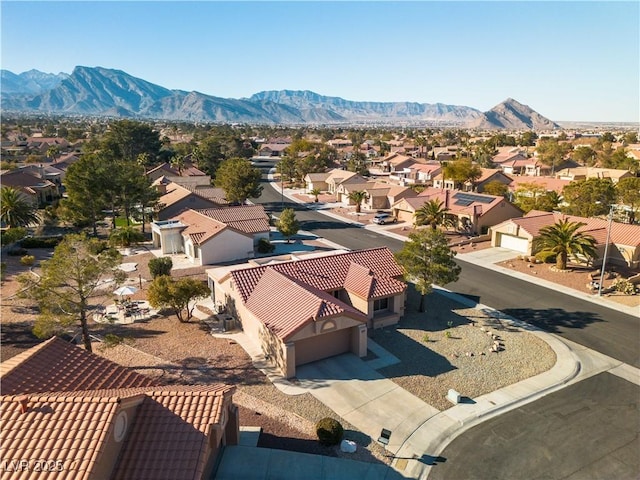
404	216
514	243
323	346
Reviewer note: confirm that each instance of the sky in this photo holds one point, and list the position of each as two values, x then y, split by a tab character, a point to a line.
569	61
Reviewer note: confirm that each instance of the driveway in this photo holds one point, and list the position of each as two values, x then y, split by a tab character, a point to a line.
365	398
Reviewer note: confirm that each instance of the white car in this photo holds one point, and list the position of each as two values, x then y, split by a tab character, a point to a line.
382	218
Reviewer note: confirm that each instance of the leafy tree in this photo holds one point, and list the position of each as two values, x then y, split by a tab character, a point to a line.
12	235
358	163
69	281
15	209
590	197
160	266
126	237
527	139
177	295
287	168
584	155
427	259
551	152
433	213
53	152
84	184
128	139
630	137
563	240
239	180
496	188
461	171
608	137
628	193
357	197
287	224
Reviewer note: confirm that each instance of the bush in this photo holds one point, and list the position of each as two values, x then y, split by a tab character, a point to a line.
40	242
329	431
624	286
28	260
160	266
546	257
265	246
12	235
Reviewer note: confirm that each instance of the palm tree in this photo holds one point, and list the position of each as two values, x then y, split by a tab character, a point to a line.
315	192
564	240
433	213
16	211
358	197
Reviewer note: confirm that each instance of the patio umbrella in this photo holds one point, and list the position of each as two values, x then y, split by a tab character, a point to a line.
125	291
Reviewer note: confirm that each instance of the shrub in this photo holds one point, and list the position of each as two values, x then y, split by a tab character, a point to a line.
28	260
425	338
329	431
624	286
126	237
12	235
265	246
546	257
447	334
41	242
160	266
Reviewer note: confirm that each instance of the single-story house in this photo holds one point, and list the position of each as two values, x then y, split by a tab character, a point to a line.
519	234
187	176
488	175
83	416
175	198
273	149
384	195
211	236
583	173
316	181
337	177
472	212
312	308
36	189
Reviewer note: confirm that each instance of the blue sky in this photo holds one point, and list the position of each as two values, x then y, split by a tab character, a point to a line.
566	60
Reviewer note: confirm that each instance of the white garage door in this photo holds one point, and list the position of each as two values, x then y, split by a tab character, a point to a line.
514	243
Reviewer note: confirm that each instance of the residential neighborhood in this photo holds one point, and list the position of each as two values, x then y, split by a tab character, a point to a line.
298	275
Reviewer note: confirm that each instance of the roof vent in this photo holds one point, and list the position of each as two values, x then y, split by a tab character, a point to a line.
23	400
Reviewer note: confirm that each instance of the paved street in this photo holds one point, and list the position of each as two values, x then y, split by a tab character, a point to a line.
579	432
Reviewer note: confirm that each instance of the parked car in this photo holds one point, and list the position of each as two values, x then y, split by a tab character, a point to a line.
382	218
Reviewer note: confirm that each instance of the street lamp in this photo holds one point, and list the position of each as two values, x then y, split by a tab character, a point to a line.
606	250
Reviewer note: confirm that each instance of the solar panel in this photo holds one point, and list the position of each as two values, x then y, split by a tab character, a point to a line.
470	198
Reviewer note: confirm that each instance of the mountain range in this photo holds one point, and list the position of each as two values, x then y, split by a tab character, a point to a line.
97	91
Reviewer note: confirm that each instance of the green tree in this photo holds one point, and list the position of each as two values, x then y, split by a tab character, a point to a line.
53	152
286	167
128	139
85	191
239	180
432	213
461	171
527	139
496	188
126	237
563	240
427	259
551	152
628	193
160	266
288	225
69	282
584	155
358	163
177	295
15	209
590	197
315	192
357	197
630	137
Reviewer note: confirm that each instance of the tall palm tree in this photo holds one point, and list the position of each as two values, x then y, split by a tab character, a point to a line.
433	213
15	210
358	197
564	240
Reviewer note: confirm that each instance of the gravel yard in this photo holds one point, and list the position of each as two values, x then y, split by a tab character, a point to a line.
433	361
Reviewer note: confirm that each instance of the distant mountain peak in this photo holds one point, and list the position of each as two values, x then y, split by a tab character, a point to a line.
513	115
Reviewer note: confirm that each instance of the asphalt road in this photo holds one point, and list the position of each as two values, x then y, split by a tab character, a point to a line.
580	432
602	329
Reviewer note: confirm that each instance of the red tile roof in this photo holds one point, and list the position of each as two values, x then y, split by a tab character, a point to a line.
244	218
324	273
56	365
286	305
199	227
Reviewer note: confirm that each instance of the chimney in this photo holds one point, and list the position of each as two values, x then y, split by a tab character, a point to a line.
23	401
162	188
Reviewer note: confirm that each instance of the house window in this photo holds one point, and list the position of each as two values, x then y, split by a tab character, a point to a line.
381	304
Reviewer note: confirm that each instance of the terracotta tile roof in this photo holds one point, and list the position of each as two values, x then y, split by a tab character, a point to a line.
549	183
170	436
56	365
459	202
621	233
214	194
286	305
317	177
199	227
364	283
71	430
244	218
324	273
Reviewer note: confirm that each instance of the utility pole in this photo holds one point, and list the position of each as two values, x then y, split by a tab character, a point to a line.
606	250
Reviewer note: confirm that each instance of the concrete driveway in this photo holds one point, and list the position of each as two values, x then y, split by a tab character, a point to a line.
365	398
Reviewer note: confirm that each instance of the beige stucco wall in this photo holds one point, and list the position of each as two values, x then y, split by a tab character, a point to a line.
510	228
225	247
